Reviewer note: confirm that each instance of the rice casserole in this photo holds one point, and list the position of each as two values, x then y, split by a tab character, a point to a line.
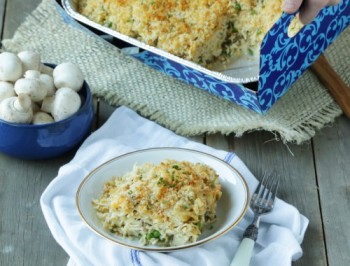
167	204
202	31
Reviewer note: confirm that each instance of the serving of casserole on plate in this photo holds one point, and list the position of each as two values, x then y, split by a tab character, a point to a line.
162	199
166	204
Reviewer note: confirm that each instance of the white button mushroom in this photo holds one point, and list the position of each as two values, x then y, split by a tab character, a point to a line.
68	75
66	102
6	90
48	83
10	67
16	109
42	118
31	85
47	103
30	60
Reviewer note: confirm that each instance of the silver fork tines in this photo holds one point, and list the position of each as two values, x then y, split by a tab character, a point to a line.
264	196
262	201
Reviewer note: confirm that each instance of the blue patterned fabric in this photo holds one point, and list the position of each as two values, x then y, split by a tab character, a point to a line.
282	60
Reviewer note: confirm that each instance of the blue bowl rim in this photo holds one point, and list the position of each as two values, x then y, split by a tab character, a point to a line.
81	109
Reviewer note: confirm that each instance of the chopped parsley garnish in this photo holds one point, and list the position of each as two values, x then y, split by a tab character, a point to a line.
175	166
237	6
160	181
231	26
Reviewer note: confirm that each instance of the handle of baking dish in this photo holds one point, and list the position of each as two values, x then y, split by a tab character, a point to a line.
283	59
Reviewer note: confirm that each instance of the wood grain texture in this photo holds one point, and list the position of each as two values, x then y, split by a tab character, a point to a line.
2	10
332	81
16	12
25	238
260	151
315	178
332	147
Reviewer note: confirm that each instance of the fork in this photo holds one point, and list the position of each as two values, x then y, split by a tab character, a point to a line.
262	202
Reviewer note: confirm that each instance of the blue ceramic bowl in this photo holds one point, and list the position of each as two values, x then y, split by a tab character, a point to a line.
45	141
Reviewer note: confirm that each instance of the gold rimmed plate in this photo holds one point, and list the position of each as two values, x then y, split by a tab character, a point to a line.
231	207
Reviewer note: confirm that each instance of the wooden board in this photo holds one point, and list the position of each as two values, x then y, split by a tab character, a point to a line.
261	152
2	10
332	160
315	178
25	238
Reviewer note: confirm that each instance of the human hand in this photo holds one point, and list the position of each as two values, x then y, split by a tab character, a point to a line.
309	10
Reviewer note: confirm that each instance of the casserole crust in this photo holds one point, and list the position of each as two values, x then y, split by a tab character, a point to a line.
202	31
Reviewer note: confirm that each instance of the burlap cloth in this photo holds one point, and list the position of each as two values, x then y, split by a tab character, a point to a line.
122	80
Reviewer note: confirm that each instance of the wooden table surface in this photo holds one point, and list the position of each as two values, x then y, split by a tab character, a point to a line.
315	179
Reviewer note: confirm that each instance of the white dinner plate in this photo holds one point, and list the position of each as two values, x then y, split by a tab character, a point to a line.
231	207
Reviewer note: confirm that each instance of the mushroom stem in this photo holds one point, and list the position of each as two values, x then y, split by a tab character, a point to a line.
44	69
16	109
23	102
31	85
30	60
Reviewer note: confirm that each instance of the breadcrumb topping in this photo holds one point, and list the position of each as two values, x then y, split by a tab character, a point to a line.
168	204
202	31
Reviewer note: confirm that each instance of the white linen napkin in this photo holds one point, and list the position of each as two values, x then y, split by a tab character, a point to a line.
280	234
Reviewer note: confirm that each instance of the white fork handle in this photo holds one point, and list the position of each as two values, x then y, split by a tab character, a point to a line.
244	253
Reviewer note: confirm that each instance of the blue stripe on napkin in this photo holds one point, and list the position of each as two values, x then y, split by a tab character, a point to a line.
135	257
229	157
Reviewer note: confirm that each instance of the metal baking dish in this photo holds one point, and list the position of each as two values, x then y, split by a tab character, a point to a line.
255	84
243	70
